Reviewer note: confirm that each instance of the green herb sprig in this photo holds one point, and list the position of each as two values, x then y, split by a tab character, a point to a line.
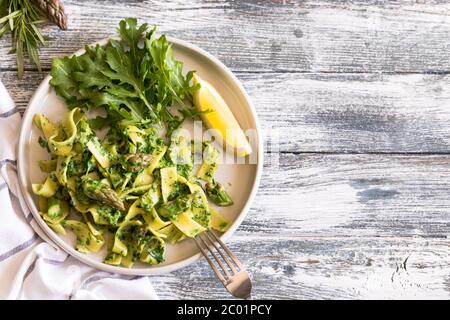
22	19
135	79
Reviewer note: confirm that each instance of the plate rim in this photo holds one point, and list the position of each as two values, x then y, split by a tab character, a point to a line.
156	269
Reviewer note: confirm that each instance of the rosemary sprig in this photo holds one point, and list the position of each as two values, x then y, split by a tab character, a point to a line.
22	18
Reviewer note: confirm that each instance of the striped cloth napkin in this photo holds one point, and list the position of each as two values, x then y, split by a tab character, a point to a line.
31	268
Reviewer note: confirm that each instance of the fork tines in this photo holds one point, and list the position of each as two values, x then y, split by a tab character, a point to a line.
208	242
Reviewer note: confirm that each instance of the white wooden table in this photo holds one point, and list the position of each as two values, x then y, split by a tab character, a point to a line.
359	92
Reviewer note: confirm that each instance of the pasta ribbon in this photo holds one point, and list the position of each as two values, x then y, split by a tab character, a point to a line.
195	188
61	168
142	179
169	178
96	231
56	143
132	242
46	189
133	211
99	152
210	163
112	258
187	225
200	207
86	241
218	222
135	134
151	197
96	216
58	228
47	165
57	211
173	234
146	174
71	189
42	204
152	250
48	128
136	190
122	234
154	221
151	218
179	151
155	161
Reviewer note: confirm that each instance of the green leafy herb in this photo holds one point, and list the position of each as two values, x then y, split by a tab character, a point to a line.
99	122
173	208
193	113
112	215
153	248
136	79
22	19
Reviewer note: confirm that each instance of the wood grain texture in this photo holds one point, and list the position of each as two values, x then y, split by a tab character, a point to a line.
325	268
334	112
360	195
354	198
301	36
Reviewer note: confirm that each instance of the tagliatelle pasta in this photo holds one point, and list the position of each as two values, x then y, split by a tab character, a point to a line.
46	189
59	139
131	191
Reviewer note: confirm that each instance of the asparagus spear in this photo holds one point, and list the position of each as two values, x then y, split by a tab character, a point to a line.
101	191
137	161
216	192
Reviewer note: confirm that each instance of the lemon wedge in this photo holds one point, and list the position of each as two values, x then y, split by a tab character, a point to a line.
220	117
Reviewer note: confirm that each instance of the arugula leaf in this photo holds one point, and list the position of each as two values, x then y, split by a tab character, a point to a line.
131	37
63	79
168	72
121	67
135	79
91	66
193	113
116	105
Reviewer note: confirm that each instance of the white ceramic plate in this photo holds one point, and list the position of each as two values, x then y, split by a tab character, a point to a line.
243	178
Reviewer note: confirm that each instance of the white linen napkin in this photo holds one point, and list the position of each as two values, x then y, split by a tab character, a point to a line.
31	268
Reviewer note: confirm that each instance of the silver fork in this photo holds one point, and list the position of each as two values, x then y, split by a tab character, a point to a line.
232	273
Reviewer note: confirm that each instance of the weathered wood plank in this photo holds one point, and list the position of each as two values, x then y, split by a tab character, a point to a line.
324	268
354	112
312	36
334	112
352	195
